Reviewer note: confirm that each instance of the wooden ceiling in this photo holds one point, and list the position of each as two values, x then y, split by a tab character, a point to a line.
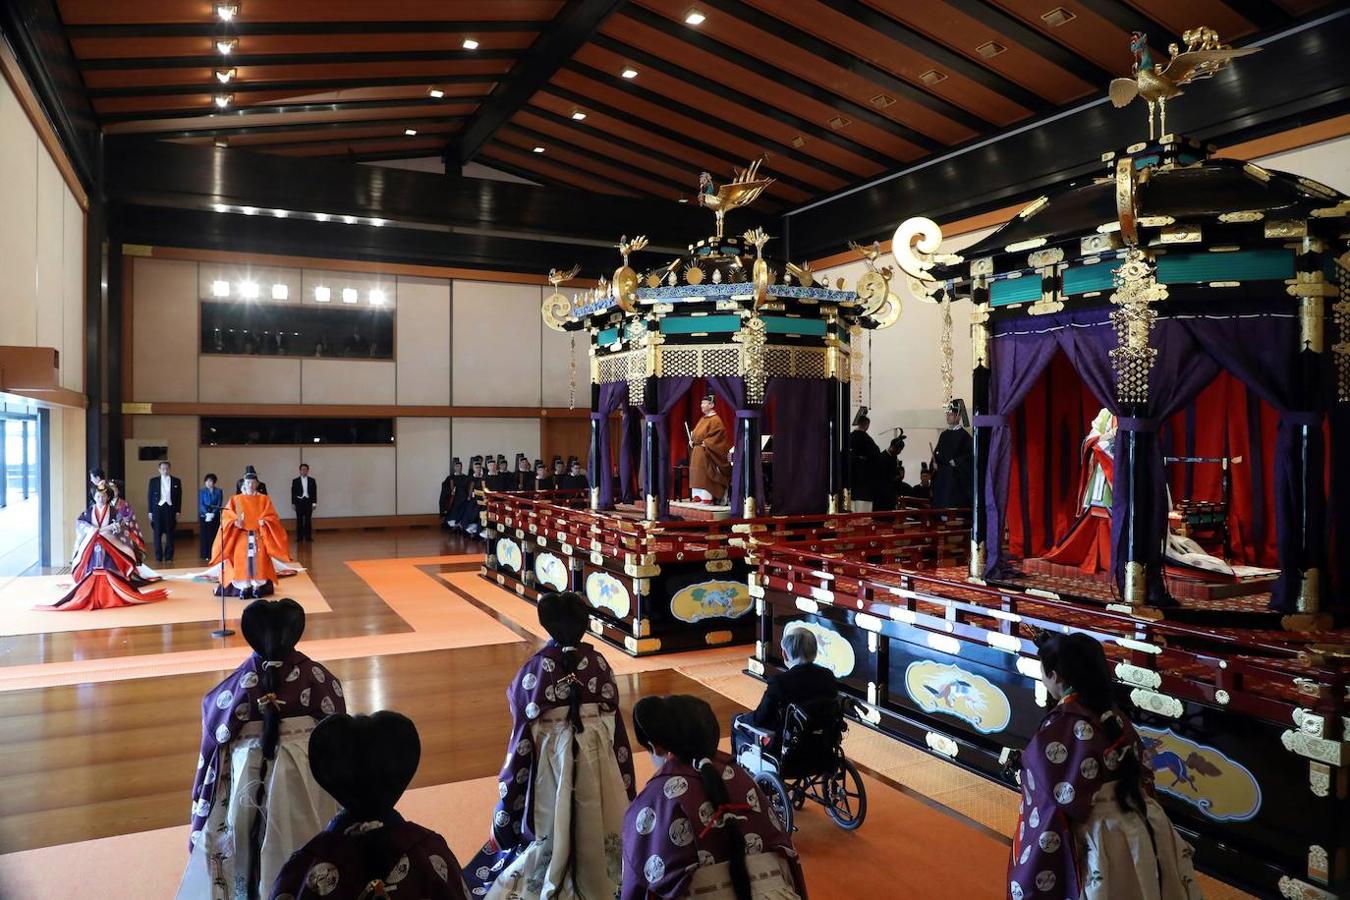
832	92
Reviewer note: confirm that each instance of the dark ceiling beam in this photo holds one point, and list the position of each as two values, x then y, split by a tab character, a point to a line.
580	171
308	86
849	62
1128	19
1264	14
571	28
598	134
660	130
945	58
282	107
750	103
254	29
486	158
338	143
758	66
295	127
489	156
240	60
699	115
1035	41
547	141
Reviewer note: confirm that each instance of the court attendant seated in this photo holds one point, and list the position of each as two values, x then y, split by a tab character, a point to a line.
802	683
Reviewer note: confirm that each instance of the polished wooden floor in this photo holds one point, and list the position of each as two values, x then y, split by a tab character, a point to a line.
117	757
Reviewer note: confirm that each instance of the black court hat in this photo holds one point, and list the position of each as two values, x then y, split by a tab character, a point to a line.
565	616
272	627
365	762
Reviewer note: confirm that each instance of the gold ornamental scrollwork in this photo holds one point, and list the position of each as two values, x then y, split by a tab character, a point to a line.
761	277
979	336
915	245
556	308
947	369
1137	289
625	284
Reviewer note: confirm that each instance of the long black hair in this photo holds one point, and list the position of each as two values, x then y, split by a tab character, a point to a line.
366	763
272	628
565	616
688	728
1081	663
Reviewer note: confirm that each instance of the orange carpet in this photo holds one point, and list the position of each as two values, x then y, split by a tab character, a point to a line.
188	601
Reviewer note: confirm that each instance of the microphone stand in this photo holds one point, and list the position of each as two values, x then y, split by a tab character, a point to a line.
222	631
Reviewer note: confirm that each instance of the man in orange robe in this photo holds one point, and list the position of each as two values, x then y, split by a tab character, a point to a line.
709	465
251	549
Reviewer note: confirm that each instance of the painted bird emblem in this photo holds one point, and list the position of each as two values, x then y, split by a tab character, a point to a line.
1203	57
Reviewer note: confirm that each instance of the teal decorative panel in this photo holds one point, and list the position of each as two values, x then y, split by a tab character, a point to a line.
1015	290
607	337
787	325
694	324
1081	279
1241	265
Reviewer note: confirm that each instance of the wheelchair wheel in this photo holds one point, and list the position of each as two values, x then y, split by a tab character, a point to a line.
779	801
847	797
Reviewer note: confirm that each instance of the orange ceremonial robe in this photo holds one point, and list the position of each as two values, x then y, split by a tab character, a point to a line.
230	550
709	466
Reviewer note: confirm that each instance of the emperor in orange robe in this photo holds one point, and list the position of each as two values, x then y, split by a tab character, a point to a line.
251	550
709	465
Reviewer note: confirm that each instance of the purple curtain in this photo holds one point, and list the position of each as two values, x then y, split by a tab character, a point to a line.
630	449
800	451
601	464
731	389
668	393
1262	351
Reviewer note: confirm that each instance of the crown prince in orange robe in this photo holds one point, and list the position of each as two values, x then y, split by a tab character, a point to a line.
251	550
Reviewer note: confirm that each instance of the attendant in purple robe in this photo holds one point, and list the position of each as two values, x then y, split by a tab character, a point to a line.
1089	826
254	801
701	827
568	775
368	850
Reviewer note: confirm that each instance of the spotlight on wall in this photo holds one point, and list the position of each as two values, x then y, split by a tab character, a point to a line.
377	297
280	291
322	294
248	210
470	44
225	46
221	141
629	72
378	223
350	220
322	217
220	288
223	100
280	213
224	76
349	295
227	11
248	290
221	207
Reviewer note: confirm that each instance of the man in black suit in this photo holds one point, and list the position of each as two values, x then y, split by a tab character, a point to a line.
239	483
802	683
304	498
164	505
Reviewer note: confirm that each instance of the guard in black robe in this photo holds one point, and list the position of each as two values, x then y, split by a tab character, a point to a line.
469	515
500	477
454	495
524	473
543	481
953	461
575	479
888	482
864	465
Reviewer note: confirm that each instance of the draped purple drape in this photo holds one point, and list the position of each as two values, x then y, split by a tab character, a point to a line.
800	439
668	393
1260	350
601	465
731	389
630	449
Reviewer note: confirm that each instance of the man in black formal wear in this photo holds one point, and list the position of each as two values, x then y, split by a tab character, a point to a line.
164	505
803	682
304	499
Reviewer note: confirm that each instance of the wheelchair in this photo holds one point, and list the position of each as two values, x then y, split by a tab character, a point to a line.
808	764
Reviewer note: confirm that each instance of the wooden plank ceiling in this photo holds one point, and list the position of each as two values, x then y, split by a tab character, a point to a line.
647	93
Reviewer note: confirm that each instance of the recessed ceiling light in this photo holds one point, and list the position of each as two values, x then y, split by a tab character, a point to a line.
410	132
248	290
376	297
280	291
350	220
226	46
349	295
798	141
881	101
280	213
470	44
220	288
838	122
223	100
694	17
224	75
322	294
378	223
322	217
435	93
1057	17
990	49
247	210
227	11
221	207
578	115
629	72
538	149
933	76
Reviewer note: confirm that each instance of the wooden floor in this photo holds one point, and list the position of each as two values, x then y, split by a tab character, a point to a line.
96	760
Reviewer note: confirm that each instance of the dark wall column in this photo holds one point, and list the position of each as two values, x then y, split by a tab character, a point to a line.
651	453
598	468
981	375
1308	465
112	367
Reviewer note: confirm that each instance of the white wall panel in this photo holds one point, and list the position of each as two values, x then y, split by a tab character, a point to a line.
18	223
246	379
72	295
353	481
276	467
50	244
423	462
475	437
1327	162
346	381
164	331
495	356
422	341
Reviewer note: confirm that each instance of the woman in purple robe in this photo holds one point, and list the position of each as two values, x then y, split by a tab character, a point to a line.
568	775
701	827
253	800
1089	826
368	850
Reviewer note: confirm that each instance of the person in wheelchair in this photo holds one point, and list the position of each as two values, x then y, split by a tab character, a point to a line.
803	683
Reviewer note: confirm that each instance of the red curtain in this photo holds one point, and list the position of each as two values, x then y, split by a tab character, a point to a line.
687	411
